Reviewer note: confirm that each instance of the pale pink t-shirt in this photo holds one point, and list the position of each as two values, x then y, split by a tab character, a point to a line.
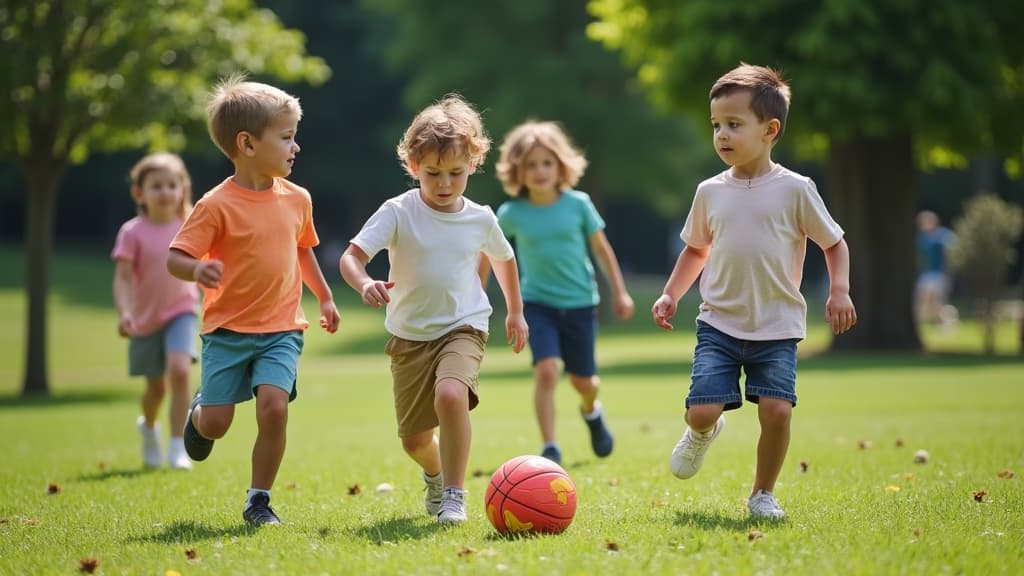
159	296
757	231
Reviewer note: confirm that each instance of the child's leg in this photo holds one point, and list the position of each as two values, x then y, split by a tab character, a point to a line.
212	422
272	422
451	402
423	449
178	365
702	418
587	387
775	415
545	374
153	396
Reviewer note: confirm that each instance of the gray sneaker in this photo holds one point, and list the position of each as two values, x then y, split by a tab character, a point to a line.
688	455
434	488
453	507
764	505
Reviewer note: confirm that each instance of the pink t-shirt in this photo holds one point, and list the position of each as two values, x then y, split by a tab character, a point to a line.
159	296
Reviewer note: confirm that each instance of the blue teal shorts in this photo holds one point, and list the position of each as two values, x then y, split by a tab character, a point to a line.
568	334
770	366
234	364
147	355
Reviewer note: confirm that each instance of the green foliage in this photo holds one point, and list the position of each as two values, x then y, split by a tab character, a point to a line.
104	75
532	58
986	236
949	72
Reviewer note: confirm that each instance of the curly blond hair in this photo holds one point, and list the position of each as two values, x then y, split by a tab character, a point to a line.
517	145
237	105
449	126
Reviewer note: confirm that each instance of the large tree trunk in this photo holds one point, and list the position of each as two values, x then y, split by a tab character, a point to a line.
42	192
871	185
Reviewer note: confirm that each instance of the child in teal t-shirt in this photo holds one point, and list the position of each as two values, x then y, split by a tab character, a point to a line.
553	226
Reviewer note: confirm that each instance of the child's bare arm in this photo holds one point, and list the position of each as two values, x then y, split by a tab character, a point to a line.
124	295
184	267
609	264
313	277
516	331
483	270
353	270
839	310
688	266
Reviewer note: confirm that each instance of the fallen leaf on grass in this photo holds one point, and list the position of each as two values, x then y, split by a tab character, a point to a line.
354	489
52	488
755	535
917	532
863	444
191	554
613	481
908	475
466	551
979	496
899	442
804	465
102	466
478	473
611	546
292	485
892	488
88	565
1006	474
172	573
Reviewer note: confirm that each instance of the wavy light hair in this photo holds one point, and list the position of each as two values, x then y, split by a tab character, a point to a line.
237	105
450	126
769	92
520	140
162	161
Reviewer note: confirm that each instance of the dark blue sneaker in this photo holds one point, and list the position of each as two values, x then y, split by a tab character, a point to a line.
600	437
259	512
197	447
552	453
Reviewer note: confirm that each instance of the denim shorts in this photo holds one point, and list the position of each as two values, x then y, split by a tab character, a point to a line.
234	364
770	366
568	334
147	355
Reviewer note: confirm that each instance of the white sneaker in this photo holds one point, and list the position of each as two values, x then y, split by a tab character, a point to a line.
177	458
764	505
688	455
152	454
453	507
432	499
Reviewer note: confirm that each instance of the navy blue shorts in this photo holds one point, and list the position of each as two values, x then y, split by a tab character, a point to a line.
568	334
770	366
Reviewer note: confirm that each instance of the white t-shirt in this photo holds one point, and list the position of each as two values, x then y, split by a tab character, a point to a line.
757	231
434	258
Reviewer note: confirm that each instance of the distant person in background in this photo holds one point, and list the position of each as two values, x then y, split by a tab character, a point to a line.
746	237
437	311
553	225
249	243
156	311
933	284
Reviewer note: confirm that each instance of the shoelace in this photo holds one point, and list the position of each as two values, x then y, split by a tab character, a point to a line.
452	502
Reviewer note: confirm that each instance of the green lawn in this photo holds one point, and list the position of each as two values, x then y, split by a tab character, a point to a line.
854	510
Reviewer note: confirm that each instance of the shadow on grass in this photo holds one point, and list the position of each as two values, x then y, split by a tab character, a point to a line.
107	474
396	529
59	400
718	521
189	531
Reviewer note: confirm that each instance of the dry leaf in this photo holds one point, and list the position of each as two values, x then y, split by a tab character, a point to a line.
917	532
52	488
979	496
612	546
899	442
292	485
466	551
478	473
804	465
755	535
1006	474
864	444
88	565
613	481
191	554
102	466
354	489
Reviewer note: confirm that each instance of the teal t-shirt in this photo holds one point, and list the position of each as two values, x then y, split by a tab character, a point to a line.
552	248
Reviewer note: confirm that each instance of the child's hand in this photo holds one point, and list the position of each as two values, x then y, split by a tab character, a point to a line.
375	292
517	333
207	273
329	317
839	312
624	306
663	310
125	326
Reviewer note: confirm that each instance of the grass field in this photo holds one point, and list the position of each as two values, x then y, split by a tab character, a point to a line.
862	506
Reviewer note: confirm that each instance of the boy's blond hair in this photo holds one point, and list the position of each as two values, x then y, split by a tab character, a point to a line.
517	145
162	161
769	92
450	126
241	106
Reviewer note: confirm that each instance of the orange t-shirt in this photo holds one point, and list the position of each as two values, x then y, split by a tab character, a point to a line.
257	235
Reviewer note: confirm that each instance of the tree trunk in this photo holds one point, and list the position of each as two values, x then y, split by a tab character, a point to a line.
42	192
1020	350
871	189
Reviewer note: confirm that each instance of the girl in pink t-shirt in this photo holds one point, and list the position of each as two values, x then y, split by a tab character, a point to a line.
156	311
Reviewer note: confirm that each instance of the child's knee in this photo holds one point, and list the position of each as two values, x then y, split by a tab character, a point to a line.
703	417
417	443
450	394
774	411
585	384
214	421
546	372
178	366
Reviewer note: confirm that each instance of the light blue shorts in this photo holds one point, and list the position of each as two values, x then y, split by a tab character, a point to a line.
770	366
234	364
147	355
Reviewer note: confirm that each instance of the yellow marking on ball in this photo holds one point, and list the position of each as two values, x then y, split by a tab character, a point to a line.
561	487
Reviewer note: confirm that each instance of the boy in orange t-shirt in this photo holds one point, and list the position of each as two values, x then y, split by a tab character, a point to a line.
249	244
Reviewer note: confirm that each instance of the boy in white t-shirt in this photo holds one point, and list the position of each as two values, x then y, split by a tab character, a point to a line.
747	231
437	310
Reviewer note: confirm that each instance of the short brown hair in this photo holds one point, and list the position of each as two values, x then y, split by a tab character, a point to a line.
241	106
524	138
769	92
449	126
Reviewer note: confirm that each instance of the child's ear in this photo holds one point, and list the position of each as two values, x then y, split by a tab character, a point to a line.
136	193
773	128
243	141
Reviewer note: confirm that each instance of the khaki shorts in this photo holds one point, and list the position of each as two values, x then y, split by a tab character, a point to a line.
417	366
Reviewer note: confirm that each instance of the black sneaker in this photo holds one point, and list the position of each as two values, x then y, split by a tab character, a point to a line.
600	437
259	512
552	453
197	447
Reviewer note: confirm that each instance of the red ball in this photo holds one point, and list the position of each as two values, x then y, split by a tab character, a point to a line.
530	494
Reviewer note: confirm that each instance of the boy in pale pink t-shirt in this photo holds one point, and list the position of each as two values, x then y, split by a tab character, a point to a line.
747	232
156	311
